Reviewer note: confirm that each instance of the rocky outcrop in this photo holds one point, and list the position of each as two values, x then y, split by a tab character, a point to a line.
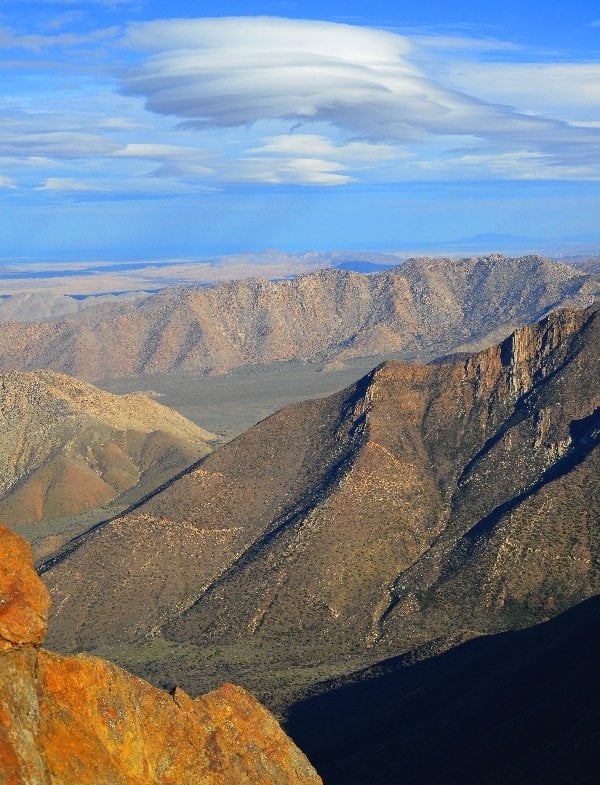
423	502
424	308
80	720
24	600
67	446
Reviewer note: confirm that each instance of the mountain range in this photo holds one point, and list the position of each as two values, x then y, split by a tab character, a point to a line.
50	306
422	309
418	508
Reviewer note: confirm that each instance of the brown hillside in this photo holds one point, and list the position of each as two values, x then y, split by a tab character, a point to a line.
424	308
423	503
79	720
67	446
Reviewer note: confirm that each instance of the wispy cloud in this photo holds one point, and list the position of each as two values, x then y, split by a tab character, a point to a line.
568	90
67	184
7	182
38	43
310	145
55	144
292	171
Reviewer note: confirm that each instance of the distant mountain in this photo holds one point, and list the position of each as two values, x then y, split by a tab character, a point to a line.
67	446
588	264
47	306
423	503
487	242
518	707
494	241
422	309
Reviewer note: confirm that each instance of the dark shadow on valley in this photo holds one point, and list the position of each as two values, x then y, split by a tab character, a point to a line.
519	707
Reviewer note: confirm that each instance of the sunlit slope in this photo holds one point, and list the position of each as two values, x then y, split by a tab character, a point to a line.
67	446
422	309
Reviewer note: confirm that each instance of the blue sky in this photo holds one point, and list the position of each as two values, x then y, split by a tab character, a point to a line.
132	129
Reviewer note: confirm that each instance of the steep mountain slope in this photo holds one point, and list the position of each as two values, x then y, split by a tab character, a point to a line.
518	707
423	308
422	503
67	446
79	720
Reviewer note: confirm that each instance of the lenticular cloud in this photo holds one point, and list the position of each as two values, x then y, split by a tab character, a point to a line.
237	71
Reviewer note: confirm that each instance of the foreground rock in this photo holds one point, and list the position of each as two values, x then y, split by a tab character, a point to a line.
80	720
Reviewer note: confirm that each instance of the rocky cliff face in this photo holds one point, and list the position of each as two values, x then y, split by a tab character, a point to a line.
78	720
423	503
67	446
424	308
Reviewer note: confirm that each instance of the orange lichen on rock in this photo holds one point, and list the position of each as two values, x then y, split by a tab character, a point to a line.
83	721
24	600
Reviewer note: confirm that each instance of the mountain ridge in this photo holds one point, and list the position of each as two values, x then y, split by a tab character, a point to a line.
424	308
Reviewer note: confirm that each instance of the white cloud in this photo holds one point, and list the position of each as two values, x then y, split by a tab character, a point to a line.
238	72
311	159
175	161
67	184
294	171
515	165
64	145
461	43
7	182
37	43
311	145
235	71
562	89
269	100
160	152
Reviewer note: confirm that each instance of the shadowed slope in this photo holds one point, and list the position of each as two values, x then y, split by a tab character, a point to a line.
519	708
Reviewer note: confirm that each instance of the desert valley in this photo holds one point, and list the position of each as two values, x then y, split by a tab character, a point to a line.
380	537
